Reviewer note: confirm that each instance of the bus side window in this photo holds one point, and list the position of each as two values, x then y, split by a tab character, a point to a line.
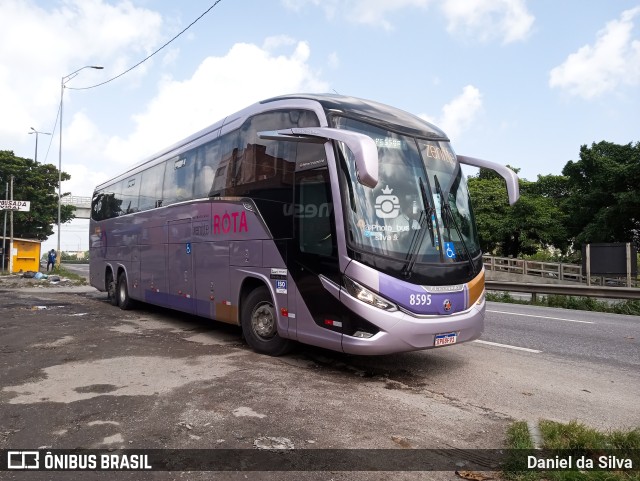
151	187
105	203
227	150
178	179
207	160
130	194
263	165
108	203
307	118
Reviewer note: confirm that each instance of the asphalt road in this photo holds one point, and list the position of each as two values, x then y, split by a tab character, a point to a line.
77	372
537	362
595	337
80	269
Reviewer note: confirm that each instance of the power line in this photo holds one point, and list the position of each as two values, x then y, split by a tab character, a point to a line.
147	58
55	124
53	134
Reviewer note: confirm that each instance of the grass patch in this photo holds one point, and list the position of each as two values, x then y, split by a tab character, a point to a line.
76	279
518	436
575	437
629	307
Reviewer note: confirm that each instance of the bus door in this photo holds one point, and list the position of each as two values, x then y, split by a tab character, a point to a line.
180	266
315	253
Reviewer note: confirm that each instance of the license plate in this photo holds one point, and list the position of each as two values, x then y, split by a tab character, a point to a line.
446	338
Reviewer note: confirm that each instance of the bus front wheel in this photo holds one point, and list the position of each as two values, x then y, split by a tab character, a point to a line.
260	324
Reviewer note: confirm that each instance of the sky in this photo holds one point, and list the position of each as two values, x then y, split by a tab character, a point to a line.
518	82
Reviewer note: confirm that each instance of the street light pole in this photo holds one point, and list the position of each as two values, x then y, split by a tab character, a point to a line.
64	80
34	131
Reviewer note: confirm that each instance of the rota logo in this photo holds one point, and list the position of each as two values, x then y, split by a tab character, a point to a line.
447	305
230	223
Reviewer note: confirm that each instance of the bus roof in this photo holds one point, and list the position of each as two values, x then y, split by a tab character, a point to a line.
382	114
386	116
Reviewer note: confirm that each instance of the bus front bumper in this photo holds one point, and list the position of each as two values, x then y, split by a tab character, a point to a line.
402	332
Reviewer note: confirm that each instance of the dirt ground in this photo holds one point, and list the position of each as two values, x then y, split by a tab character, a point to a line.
77	372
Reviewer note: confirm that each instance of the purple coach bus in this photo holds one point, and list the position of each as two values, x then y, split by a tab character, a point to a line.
324	219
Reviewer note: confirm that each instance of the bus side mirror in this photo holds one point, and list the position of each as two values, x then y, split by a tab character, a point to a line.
513	188
363	147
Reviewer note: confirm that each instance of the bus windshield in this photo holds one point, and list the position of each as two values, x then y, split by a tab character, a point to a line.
420	208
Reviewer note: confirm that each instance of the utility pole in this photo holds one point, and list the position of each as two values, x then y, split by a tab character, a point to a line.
11	241
34	131
4	232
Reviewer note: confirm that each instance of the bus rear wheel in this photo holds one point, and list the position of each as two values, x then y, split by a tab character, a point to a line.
260	324
124	301
111	285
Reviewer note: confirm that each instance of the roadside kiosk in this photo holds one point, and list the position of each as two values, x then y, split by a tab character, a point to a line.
26	254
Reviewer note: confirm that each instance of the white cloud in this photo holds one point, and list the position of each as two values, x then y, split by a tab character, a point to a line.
38	45
508	20
369	12
219	86
487	19
329	6
612	61
376	12
277	41
458	114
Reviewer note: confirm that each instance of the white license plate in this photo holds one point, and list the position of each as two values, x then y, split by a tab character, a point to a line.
446	338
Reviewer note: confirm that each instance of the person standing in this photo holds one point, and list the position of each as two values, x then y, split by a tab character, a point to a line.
51	259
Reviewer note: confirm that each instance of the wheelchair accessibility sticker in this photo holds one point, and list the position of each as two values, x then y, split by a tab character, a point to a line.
449	250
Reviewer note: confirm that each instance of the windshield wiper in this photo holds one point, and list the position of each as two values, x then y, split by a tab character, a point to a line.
418	235
447	213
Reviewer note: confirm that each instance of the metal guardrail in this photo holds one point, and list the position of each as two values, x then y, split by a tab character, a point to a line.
555	270
548	270
565	289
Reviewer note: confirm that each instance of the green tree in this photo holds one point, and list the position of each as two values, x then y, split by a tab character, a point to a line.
536	221
604	200
37	183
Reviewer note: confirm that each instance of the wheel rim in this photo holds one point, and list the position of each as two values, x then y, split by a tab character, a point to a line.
263	320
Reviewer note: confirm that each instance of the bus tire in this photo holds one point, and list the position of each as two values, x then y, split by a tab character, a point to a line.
259	324
112	289
124	301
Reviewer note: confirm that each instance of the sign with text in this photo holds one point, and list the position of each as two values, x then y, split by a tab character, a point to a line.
19	205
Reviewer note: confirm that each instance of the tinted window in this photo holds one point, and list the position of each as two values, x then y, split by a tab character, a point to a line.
178	179
129	196
263	169
151	187
228	154
207	160
107	202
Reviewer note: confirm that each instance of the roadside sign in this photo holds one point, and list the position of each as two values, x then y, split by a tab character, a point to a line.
19	205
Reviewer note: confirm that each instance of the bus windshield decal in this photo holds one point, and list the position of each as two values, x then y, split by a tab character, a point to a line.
439	153
389	143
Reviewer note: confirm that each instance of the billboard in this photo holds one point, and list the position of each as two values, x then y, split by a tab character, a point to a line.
610	259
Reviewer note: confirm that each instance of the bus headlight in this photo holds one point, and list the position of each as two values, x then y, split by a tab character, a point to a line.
365	295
